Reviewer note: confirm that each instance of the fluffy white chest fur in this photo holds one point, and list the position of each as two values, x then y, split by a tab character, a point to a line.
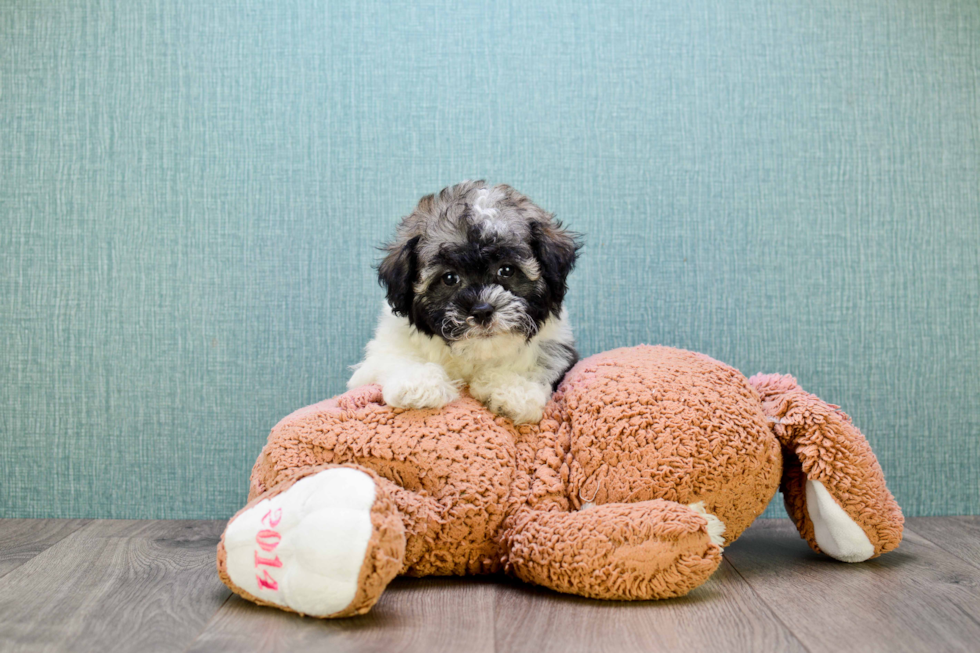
512	375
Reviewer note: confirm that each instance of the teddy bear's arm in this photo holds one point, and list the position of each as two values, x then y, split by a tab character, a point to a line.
622	551
644	550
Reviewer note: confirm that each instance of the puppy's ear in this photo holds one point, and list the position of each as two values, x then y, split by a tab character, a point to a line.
397	273
556	249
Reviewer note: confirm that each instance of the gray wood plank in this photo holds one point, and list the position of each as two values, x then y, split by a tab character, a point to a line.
724	614
121	586
959	536
115	586
22	539
917	598
414	614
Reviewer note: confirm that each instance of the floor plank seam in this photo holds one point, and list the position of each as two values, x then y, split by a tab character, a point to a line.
768	607
207	625
493	625
81	526
956	555
973	619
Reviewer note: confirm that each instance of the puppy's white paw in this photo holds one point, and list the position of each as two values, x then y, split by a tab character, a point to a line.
421	386
363	375
520	399
304	548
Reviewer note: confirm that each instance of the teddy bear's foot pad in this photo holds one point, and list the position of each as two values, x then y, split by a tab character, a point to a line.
303	549
836	533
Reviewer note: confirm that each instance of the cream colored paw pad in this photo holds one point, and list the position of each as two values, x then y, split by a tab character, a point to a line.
716	527
836	533
304	548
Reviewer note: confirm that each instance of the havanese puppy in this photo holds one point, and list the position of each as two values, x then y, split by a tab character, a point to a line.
475	280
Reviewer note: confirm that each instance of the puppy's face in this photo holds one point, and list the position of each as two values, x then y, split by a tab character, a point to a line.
477	261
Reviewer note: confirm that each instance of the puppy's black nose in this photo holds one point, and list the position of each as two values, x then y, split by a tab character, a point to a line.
482	313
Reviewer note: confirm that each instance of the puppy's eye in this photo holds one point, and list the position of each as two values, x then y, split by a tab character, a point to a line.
506	271
450	279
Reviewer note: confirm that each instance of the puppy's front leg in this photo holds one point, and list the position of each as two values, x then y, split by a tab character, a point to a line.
512	395
419	385
406	383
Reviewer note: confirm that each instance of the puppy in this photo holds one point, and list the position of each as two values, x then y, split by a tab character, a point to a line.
475	281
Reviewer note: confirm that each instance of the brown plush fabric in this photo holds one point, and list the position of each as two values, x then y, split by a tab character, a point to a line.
447	471
654	422
624	551
821	444
593	500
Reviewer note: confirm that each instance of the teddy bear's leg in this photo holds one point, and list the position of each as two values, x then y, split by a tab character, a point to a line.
624	551
832	484
324	542
447	471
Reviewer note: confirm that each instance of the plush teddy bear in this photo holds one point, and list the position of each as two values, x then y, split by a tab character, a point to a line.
647	462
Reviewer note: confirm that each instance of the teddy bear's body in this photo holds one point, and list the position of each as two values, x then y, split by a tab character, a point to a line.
647	461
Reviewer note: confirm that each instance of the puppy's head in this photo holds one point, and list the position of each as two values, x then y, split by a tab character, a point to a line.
475	261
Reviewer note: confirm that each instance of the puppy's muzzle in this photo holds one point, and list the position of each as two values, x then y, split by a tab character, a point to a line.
481	314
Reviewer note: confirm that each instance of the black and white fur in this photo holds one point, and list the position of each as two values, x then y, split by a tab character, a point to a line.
475	281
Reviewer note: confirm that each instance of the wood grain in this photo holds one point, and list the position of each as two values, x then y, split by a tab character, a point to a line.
115	586
917	598
721	615
138	586
22	539
425	615
959	536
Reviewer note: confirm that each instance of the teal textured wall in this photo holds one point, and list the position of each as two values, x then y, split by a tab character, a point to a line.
190	194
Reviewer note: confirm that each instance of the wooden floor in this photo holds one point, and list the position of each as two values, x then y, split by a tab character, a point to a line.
76	585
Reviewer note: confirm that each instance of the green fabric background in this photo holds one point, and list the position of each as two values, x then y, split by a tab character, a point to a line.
190	195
